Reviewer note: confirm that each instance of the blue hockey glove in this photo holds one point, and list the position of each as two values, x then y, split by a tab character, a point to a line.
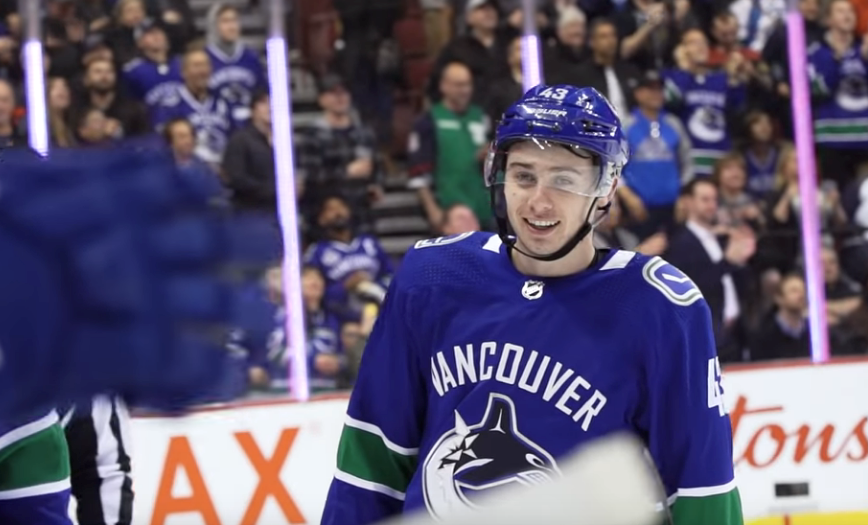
117	277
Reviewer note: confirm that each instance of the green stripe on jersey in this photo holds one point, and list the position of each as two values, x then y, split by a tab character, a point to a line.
39	459
720	509
366	456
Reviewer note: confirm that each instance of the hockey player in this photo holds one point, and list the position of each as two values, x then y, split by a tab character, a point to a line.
118	278
496	355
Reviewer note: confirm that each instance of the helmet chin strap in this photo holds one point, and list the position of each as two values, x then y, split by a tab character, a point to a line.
587	227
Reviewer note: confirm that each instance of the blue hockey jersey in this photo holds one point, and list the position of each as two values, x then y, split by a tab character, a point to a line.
841	118
211	120
702	103
155	84
337	261
236	77
477	376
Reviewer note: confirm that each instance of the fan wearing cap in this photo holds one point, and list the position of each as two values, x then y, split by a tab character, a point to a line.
155	76
496	355
660	163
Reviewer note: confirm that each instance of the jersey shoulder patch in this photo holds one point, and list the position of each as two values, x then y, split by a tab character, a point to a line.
671	282
442	241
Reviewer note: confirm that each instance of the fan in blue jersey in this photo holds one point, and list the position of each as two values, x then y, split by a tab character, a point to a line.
155	77
237	71
496	355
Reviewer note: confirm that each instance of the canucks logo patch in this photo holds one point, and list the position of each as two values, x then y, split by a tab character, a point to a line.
469	461
671	281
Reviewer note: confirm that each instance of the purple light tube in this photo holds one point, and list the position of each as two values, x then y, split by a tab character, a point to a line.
281	125
531	66
37	110
804	131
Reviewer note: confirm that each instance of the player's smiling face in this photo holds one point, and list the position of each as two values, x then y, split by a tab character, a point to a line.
546	190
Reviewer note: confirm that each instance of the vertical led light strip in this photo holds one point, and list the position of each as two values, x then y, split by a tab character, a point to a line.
34	77
281	126
531	67
803	124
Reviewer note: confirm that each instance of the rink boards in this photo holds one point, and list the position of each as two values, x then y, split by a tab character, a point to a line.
799	429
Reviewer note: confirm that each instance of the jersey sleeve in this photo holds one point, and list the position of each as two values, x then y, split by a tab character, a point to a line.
378	450
689	430
823	71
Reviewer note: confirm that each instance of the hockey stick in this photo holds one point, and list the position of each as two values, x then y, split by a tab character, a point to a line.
607	482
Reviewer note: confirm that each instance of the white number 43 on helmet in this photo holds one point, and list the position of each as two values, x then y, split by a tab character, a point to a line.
555	93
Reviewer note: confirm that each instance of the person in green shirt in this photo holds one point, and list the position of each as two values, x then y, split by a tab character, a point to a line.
446	150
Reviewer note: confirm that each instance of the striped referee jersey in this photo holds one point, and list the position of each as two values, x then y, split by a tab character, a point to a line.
98	438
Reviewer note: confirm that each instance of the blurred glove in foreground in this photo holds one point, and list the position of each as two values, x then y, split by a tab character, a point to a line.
116	276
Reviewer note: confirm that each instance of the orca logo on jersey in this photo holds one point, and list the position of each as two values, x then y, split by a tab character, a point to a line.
671	281
467	462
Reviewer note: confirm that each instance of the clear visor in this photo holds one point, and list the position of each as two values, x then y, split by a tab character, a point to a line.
570	169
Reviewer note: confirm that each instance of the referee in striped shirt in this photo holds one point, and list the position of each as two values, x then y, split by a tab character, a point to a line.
97	434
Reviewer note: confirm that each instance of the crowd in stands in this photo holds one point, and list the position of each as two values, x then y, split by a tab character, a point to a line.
408	93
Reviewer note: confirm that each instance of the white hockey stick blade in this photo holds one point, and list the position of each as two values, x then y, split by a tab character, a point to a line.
607	482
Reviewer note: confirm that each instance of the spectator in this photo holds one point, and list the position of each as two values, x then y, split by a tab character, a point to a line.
785	332
155	77
459	219
248	164
438	28
724	31
761	152
482	49
128	17
10	65
839	76
648	31
611	234
507	89
712	263
564	53
355	267
208	112
776	55
324	333
237	70
843	295
755	21
10	135
95	14
660	161
59	44
90	128
446	149
59	101
703	99
736	207
181	138
177	18
338	150
605	71
783	247
125	117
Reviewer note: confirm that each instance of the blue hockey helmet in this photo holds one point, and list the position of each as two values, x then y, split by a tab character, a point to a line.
580	119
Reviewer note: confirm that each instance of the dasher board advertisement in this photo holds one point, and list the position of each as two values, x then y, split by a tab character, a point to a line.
800	450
